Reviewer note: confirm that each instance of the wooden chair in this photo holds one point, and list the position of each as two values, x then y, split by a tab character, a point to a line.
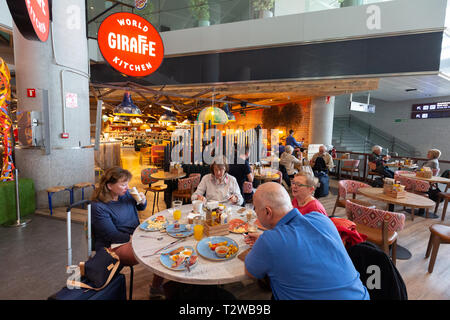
156	189
185	190
351	166
416	186
371	172
379	226
346	187
446	197
196	180
439	234
51	191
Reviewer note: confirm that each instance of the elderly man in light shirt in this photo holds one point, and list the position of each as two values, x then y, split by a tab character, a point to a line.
219	185
326	157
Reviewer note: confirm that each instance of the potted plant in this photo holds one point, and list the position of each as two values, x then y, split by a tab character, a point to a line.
200	10
263	7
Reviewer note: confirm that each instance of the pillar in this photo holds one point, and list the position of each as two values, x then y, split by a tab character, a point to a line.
61	67
321	120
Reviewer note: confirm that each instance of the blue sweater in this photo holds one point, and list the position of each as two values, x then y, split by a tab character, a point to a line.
290	141
115	221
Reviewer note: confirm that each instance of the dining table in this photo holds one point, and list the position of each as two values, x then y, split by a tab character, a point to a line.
432	180
266	176
170	180
205	271
401	166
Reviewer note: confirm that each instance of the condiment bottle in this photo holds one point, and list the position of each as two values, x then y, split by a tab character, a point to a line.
213	218
223	218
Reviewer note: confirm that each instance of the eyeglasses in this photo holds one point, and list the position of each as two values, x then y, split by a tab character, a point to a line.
301	185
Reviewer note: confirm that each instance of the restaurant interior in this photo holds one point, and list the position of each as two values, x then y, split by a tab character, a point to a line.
132	124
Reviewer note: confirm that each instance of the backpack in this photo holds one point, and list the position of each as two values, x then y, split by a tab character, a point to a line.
320	165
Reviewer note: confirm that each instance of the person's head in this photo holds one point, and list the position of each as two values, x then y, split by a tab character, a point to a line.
219	167
322	149
114	182
289	149
433	154
291	132
303	185
272	202
377	149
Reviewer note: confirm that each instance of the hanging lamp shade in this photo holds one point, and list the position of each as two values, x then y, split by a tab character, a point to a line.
213	114
230	115
127	107
168	117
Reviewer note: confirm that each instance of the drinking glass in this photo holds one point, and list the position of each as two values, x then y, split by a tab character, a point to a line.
198	228
177	203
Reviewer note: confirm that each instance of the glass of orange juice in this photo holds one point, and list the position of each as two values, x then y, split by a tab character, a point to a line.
176	214
198	228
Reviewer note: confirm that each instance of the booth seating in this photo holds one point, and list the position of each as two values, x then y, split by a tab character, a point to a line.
439	234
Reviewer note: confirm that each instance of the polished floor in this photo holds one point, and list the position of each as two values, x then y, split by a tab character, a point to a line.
33	258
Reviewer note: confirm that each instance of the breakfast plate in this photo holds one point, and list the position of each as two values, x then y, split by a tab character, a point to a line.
154	223
206	247
182	231
174	259
237	226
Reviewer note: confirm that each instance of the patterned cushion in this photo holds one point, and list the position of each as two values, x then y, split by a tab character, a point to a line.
350	186
414	184
185	184
399	172
145	175
374	218
196	177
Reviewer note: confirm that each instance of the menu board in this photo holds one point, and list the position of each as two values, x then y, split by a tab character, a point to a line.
431	110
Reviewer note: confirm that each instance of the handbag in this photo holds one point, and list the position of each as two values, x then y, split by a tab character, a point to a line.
100	269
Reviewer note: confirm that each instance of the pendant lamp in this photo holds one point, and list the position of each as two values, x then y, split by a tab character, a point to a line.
168	117
213	114
127	107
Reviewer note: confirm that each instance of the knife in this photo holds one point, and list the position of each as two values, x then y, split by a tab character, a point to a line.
163	248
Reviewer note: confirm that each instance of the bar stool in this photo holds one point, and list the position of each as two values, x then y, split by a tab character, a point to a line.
51	191
446	196
439	234
82	186
156	189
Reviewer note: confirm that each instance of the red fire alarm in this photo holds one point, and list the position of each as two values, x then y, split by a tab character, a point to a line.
31	93
64	135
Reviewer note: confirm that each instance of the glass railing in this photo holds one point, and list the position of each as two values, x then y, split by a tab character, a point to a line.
371	136
169	15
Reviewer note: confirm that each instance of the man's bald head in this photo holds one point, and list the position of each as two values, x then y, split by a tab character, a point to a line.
272	195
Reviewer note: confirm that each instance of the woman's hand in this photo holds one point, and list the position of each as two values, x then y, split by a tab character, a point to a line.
234	199
144	199
251	238
200	197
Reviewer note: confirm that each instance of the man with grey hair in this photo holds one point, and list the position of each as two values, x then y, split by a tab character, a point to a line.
377	162
300	254
325	156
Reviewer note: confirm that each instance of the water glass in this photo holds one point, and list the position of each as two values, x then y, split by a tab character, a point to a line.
177	203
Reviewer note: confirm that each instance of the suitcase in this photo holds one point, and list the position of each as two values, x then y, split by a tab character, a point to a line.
115	290
323	189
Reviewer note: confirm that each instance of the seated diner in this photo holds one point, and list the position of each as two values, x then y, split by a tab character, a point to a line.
303	187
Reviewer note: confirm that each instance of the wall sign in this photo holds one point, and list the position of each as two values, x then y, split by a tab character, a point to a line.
130	44
431	110
140	4
32	18
71	100
31	93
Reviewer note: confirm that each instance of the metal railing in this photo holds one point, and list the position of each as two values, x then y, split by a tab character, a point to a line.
371	136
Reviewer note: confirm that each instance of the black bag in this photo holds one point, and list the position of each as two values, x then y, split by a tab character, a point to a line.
433	194
320	165
377	183
323	189
98	270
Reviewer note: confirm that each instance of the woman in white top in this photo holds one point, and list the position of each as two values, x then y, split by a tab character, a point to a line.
289	161
219	185
433	163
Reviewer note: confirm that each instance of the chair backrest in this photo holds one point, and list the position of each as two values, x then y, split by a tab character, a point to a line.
196	177
350	163
435	171
374	218
185	184
412	184
247	187
350	186
399	172
145	175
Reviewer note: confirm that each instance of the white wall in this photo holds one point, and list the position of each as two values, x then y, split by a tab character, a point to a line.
424	134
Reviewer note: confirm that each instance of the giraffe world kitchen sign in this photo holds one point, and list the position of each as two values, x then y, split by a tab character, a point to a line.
32	18
130	44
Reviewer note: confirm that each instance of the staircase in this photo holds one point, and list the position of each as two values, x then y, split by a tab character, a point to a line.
354	135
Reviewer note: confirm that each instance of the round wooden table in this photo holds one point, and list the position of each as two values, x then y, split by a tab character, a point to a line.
171	185
433	179
412	200
401	166
206	272
266	177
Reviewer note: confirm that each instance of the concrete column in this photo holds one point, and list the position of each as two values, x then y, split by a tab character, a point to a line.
321	121
61	66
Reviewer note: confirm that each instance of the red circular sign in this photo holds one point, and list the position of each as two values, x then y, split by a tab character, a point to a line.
39	13
130	44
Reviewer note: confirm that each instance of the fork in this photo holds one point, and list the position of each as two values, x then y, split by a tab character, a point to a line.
186	264
163	248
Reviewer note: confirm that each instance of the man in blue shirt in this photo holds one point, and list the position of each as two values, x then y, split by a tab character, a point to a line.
290	140
302	255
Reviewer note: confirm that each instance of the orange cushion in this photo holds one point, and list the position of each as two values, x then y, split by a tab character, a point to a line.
442	231
375	235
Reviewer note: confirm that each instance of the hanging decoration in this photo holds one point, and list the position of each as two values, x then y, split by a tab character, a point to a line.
127	107
6	123
213	114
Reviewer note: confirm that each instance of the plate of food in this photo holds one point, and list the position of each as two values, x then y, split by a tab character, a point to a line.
218	248
237	226
179	230
154	223
179	259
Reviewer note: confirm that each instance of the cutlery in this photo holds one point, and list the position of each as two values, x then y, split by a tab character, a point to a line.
150	237
163	248
186	264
